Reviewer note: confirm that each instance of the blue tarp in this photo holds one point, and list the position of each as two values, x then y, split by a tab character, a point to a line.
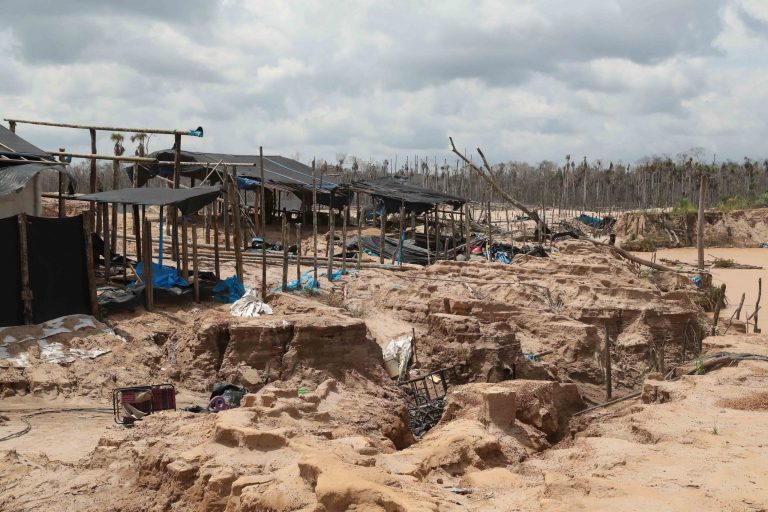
163	277
228	290
308	280
589	220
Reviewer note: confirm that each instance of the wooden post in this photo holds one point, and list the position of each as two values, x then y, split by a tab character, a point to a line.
718	305
426	233
207	222
89	270
344	239
12	126
382	234
490	234
147	265
413	225
298	256
137	230
757	303
468	227
125	244
396	254
453	237
195	264
26	292
262	204
225	213
184	250
107	245
608	377
331	240
285	252
700	224
174	212
62	204
360	221
314	219
215	221
737	313
235	198
92	180
438	241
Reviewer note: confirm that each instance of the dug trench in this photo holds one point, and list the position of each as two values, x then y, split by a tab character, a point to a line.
325	428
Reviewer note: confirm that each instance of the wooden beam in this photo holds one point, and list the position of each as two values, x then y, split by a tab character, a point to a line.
96	127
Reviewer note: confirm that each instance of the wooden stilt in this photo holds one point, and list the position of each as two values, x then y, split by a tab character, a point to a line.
215	222
298	255
262	204
125	244
92	178
89	270
107	245
26	291
314	219
345	214
490	234
147	266
225	213
235	198
383	234
285	252
62	205
207	227
607	355
426	233
331	240
184	249
453	237
195	263
137	230
360	221
114	228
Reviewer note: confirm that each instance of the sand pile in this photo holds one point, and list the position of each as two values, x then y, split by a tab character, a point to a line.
485	314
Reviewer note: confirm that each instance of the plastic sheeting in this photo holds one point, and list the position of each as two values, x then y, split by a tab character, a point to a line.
400	348
250	305
396	192
228	290
187	200
163	277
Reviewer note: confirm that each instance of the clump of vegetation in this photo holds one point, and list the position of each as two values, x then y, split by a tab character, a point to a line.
684	206
724	263
708	298
743	202
648	243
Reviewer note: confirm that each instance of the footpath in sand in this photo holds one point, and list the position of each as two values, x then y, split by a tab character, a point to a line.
329	430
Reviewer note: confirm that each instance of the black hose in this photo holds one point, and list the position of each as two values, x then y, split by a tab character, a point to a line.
28	425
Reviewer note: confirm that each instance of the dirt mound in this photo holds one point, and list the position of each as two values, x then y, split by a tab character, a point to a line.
751	402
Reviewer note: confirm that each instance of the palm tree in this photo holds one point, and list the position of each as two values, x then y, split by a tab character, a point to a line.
141	137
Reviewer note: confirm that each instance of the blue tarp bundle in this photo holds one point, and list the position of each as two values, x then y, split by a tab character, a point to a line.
228	290
589	220
308	280
163	277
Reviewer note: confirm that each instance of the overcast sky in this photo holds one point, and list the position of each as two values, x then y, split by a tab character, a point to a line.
525	80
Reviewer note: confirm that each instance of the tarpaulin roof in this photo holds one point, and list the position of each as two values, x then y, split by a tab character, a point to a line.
395	192
280	173
187	200
14	174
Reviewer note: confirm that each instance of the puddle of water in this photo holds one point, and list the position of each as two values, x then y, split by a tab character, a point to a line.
737	281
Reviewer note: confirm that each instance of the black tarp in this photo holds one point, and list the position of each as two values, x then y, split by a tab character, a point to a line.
395	192
280	173
58	274
14	175
11	306
187	200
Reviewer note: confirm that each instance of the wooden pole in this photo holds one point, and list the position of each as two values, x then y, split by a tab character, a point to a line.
331	240
107	246
215	221
700	223
195	263
608	377
262	204
360	221
62	206
92	179
225	213
26	291
137	230
314	219
149	287
235	198
757	303
114	228
382	234
453	236
184	249
344	239
172	210
298	256
285	252
125	244
207	223
490	234
426	233
89	270
719	304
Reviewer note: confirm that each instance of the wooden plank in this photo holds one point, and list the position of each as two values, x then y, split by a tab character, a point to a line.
26	291
89	265
195	263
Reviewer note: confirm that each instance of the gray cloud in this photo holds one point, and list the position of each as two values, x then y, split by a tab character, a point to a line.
527	80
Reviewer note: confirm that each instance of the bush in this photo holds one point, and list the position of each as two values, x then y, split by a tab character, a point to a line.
684	206
743	203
